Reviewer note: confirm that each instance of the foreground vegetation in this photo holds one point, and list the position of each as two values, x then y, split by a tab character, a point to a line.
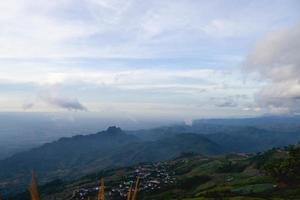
274	174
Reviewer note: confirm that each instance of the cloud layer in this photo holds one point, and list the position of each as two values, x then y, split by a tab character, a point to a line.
276	58
135	28
65	103
168	58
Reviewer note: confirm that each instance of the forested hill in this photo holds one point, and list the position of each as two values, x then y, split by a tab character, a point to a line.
79	155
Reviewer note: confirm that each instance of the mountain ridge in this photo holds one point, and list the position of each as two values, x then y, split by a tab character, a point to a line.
79	155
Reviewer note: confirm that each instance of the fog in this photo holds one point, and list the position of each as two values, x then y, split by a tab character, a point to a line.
24	130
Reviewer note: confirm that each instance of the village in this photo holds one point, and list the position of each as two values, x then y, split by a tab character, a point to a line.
150	177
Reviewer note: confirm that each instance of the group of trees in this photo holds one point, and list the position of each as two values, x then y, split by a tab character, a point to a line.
286	171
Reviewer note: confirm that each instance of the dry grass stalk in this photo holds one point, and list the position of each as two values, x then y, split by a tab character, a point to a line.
136	188
33	188
101	193
129	192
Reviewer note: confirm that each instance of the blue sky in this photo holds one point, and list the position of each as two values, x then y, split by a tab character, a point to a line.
176	59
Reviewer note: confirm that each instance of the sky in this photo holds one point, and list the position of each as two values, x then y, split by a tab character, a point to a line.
182	59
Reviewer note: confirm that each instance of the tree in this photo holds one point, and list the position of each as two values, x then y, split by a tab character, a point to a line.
287	170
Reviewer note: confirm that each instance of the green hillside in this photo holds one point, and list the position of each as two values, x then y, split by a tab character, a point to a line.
274	174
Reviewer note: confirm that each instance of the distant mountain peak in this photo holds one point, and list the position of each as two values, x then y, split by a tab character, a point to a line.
114	129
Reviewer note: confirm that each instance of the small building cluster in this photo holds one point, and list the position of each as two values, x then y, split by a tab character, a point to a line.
152	177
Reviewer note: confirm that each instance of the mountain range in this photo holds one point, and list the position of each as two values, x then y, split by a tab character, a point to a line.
80	155
73	157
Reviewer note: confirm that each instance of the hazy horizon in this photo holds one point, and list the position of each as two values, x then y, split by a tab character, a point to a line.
21	131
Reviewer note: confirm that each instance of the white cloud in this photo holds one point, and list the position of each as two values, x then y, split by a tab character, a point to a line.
140	85
135	28
222	28
64	42
124	78
64	102
276	59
